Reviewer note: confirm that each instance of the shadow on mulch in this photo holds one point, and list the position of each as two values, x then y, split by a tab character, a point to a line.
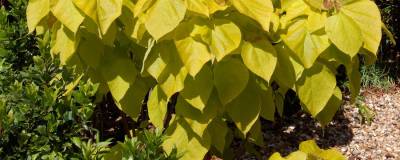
295	126
286	134
113	123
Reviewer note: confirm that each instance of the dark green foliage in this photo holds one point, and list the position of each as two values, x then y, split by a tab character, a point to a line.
37	120
16	45
389	55
91	150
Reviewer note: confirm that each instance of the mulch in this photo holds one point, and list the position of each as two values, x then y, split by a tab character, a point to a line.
379	140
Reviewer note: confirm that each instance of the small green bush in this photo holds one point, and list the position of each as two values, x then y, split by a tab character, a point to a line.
37	118
16	45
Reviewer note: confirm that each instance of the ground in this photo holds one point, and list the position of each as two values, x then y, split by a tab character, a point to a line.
358	140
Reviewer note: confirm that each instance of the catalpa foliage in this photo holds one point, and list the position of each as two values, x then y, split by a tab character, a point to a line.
221	56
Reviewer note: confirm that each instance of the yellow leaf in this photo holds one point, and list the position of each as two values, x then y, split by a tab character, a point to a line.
198	89
64	44
260	58
187	143
157	107
108	11
366	14
198	6
120	74
66	12
193	53
225	38
326	115
213	6
259	10
35	12
164	16
103	12
306	46
141	6
344	33
316	21
316	87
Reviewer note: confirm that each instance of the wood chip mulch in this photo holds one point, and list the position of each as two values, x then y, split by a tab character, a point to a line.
379	140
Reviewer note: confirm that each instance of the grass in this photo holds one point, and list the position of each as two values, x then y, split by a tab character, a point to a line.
374	76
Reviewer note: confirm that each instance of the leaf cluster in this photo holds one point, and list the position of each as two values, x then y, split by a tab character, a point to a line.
213	62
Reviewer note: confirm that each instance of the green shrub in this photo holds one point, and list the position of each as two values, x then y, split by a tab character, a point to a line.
16	45
36	119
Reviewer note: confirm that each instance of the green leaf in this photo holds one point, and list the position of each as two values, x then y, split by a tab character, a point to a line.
157	107
35	12
164	16
354	76
255	134
260	58
91	50
198	89
225	38
248	101
115	152
259	10
267	104
288	70
366	14
344	33
329	111
280	99
66	12
316	87
230	79
218	131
